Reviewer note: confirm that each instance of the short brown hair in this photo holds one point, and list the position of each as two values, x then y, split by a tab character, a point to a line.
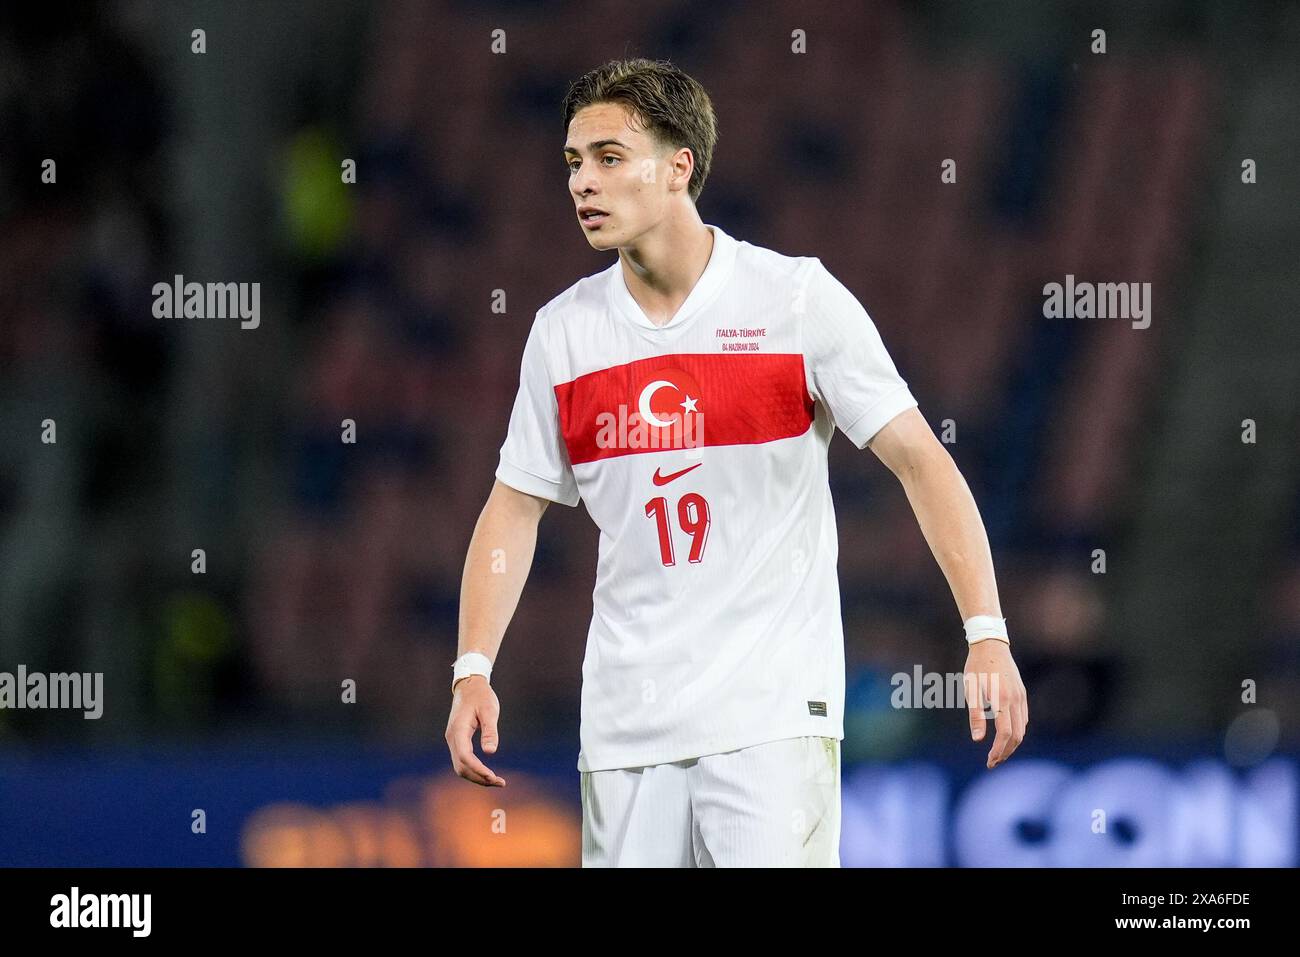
673	107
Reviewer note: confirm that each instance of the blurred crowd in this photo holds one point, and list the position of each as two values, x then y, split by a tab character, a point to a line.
350	564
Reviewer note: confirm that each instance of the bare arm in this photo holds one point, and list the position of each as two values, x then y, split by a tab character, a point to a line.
950	521
945	510
496	566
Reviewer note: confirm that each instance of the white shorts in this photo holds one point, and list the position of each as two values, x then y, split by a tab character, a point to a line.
770	805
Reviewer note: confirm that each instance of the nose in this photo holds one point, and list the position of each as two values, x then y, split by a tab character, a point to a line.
584	182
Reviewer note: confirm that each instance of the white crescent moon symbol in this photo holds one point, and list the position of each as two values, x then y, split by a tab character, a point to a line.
647	394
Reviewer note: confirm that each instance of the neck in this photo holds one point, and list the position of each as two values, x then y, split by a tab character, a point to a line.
666	263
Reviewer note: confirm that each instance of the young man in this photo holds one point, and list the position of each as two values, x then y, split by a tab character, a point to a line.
688	395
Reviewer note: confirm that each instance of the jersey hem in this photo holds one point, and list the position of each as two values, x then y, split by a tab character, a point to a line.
864	428
524	481
693	752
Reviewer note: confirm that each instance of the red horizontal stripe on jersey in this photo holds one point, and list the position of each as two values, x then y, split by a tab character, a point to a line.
746	399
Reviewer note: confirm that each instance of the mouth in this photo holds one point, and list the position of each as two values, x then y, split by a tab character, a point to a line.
592	218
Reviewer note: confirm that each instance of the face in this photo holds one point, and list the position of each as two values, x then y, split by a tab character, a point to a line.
617	167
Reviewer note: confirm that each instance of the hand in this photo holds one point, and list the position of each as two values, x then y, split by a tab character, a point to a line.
992	676
474	706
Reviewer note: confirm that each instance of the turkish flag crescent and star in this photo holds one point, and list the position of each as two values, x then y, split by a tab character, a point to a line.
746	398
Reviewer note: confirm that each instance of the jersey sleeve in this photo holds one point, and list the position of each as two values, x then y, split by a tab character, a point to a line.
533	458
850	370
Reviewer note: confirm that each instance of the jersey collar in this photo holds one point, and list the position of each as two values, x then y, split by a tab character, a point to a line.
711	281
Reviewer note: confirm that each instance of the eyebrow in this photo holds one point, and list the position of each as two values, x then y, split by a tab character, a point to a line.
597	144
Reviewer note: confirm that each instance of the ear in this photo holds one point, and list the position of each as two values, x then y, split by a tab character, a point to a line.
683	167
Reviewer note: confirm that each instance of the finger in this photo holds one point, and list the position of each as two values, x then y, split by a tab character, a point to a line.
1016	734
466	762
974	705
488	731
480	773
1002	721
472	769
1013	704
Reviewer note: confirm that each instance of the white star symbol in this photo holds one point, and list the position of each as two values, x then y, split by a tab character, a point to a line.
689	404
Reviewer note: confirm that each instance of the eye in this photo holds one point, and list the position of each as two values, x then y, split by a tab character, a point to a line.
610	156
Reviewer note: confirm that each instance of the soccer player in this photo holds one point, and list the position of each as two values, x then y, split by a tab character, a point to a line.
687	395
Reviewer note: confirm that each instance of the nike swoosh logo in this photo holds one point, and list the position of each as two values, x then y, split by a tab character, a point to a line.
665	479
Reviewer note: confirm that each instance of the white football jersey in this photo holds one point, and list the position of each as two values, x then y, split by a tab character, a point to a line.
699	448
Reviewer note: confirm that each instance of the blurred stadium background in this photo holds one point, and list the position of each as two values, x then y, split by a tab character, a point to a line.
327	561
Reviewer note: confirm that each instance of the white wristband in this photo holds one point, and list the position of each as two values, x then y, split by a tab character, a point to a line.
470	663
980	627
